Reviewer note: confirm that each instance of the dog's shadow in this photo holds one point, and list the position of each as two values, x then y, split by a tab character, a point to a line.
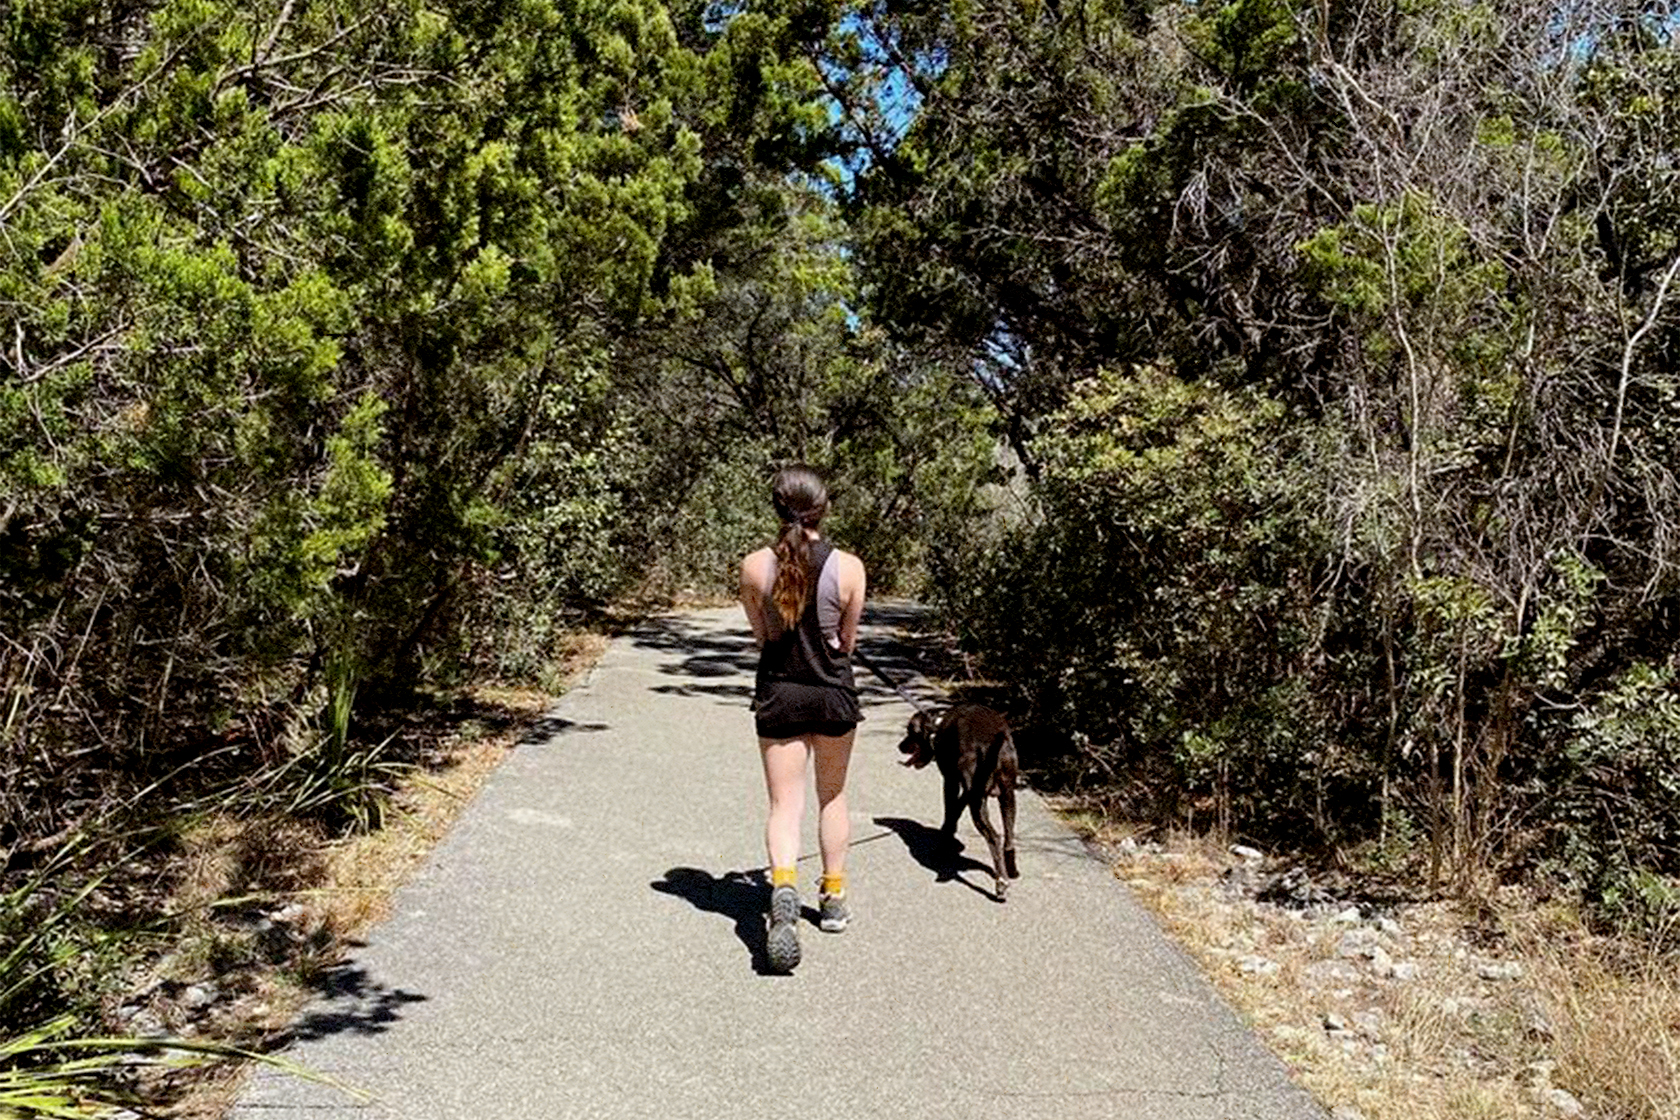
939	853
741	896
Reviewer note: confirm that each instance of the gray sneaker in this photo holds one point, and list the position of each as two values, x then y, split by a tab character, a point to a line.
835	914
781	941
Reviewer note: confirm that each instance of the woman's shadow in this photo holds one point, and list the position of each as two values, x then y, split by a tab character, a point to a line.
939	852
741	896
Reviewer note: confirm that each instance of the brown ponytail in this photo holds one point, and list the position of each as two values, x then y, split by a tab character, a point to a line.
801	500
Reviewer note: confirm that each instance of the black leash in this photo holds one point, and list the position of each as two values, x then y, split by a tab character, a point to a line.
867	663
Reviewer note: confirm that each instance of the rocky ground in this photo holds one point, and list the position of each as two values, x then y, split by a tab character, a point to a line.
1384	1010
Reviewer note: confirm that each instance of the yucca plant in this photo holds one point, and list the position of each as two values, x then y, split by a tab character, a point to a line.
58	1065
350	783
47	1072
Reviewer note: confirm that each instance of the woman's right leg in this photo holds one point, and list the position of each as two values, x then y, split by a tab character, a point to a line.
784	781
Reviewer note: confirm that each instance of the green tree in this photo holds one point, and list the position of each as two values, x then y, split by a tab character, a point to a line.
1430	253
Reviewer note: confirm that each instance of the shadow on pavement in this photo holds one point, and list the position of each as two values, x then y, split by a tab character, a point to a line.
702	654
902	613
713	664
895	664
355	1003
739	896
548	727
675	634
732	693
939	853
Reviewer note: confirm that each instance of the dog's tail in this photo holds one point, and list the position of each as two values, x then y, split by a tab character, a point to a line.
1003	774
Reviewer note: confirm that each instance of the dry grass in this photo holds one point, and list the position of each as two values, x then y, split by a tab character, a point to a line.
1596	1018
1616	1015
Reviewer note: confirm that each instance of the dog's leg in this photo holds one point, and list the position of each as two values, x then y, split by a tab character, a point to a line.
953	803
1008	771
1006	809
978	794
983	822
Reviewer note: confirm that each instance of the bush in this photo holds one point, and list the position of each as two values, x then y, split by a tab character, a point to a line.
1157	601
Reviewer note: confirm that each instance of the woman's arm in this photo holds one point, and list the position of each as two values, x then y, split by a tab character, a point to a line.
758	574
854	584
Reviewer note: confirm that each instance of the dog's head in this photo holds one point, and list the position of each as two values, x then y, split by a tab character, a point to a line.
918	740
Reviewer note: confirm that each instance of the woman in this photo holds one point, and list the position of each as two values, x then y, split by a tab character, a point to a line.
804	598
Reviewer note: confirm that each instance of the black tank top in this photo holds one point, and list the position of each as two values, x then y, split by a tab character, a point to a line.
803	654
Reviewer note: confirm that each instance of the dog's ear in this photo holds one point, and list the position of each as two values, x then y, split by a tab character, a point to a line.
918	724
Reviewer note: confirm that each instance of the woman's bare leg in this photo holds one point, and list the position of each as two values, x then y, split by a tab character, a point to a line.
833	755
784	780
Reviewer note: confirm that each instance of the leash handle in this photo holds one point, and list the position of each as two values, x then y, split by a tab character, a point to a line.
868	663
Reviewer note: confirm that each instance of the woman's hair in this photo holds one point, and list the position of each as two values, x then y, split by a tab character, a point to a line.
801	500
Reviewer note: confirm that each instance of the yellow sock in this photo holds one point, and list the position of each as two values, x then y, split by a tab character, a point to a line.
784	876
834	884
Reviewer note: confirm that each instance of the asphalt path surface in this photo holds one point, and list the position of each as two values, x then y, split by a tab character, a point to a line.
588	941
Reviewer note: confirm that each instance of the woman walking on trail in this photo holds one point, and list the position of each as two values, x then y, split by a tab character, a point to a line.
804	597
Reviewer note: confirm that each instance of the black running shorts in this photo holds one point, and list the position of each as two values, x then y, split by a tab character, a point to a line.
789	709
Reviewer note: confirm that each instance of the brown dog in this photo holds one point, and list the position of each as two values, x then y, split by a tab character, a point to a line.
976	756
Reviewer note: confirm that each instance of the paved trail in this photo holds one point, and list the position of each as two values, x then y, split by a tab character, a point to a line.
588	942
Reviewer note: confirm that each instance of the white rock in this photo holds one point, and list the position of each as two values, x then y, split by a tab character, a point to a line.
1390	927
1356	943
1328	974
1347	917
147	1024
1536	1022
1334	1023
1244	852
1564	1102
199	996
1500	970
1257	966
1382	965
1129	846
